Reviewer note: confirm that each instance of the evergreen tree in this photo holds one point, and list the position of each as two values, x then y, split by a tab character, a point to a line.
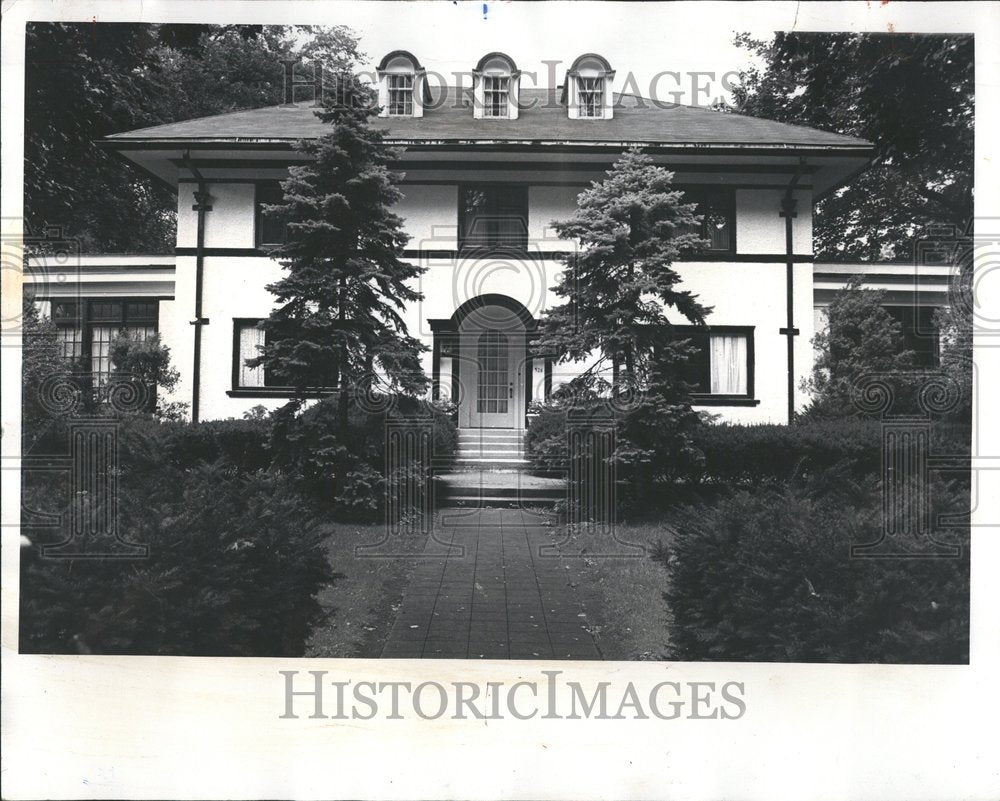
618	285
618	290
338	319
861	338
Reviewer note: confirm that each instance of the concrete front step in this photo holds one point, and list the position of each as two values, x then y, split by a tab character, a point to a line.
509	458
475	487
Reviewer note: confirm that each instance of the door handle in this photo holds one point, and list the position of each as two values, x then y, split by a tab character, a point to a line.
512	389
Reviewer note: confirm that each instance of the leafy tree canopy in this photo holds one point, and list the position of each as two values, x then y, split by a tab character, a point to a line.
85	81
910	95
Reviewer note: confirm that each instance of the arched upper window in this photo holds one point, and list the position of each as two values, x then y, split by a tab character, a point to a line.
495	87
588	88
402	85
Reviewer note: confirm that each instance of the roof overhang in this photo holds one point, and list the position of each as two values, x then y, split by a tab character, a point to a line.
828	166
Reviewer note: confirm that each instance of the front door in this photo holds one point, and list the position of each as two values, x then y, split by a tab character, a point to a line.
492	365
496	381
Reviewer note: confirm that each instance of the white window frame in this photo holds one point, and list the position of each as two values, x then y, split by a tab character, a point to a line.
590	96
400	96
496	98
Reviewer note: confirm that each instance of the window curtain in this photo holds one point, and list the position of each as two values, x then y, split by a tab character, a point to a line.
728	364
251	340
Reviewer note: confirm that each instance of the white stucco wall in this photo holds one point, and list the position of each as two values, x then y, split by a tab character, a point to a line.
230	223
744	293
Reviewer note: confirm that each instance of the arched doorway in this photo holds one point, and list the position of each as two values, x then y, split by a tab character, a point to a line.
492	366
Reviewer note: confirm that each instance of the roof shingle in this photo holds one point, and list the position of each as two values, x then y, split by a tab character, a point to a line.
541	119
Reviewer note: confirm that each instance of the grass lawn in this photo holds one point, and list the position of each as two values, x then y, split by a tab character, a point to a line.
623	597
363	601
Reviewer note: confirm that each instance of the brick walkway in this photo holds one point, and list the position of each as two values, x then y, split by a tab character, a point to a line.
492	597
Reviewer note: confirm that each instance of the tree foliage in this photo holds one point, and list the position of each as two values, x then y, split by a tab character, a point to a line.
861	339
912	96
619	284
338	317
85	81
618	290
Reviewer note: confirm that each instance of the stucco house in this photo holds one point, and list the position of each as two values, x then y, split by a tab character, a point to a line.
487	168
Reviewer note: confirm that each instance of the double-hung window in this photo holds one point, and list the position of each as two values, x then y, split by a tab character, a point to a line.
270	229
249	338
496	95
493	217
400	95
720	369
590	95
716	205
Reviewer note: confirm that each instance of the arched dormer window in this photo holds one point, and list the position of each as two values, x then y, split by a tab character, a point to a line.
402	85
588	91
495	87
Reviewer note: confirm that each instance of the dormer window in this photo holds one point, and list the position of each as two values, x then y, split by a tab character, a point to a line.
590	92
400	95
402	85
495	82
587	91
496	95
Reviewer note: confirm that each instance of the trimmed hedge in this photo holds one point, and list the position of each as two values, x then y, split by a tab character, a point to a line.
748	455
739	455
768	576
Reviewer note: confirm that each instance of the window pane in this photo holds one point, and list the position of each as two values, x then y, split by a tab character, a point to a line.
591	96
101	337
105	310
495	95
251	340
70	341
401	95
728	364
492	352
270	229
475	217
717	230
716	209
64	311
695	370
494	216
141	311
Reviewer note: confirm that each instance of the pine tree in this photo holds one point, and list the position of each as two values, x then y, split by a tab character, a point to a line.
338	319
629	227
618	288
861	339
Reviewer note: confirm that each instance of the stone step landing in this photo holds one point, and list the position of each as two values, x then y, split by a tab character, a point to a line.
489	487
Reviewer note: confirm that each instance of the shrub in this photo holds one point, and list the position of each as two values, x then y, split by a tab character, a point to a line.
244	444
860	338
233	569
749	455
348	479
145	362
768	576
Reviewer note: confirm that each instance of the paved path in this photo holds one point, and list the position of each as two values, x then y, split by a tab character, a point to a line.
494	596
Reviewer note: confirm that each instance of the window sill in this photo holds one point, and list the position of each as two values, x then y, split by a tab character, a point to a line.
723	400
275	392
480	251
